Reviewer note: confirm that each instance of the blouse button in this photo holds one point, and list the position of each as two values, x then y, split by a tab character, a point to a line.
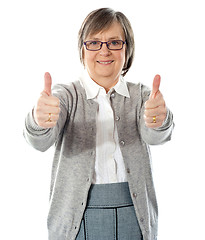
112	95
122	143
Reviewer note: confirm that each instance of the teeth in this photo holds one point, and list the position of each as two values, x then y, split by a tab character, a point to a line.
105	62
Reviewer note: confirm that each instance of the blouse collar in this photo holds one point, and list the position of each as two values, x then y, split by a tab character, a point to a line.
92	89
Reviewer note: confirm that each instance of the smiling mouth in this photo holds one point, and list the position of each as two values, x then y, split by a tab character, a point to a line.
105	62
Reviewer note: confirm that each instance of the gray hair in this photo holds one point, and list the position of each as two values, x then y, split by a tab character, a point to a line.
102	19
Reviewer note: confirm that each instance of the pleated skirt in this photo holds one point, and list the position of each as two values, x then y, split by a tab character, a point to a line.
109	214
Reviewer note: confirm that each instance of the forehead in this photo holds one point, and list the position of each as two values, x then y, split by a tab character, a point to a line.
114	31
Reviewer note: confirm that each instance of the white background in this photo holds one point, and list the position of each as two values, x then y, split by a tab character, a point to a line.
41	35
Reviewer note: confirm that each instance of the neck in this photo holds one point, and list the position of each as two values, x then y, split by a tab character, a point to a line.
107	84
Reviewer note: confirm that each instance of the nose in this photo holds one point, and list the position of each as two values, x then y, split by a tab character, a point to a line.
104	51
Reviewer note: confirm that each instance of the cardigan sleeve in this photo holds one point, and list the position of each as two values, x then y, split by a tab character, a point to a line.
43	138
155	136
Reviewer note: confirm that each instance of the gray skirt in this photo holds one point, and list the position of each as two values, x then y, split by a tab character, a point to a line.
109	214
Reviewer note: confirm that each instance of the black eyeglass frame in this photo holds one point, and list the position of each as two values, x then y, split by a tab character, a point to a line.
123	43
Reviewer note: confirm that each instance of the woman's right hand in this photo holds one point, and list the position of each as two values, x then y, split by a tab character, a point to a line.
46	112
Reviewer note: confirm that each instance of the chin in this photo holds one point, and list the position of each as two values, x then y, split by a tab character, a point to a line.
105	74
106	77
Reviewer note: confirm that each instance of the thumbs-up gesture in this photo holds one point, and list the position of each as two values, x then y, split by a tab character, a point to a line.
155	108
46	111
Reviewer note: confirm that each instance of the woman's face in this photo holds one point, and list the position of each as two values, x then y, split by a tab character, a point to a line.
105	66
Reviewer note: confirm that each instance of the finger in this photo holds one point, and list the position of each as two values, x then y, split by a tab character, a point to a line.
155	112
154	125
50	117
155	86
158	119
49	109
47	83
43	118
53	101
47	119
49	100
155	102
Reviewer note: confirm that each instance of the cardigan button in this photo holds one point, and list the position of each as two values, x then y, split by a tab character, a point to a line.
117	118
141	219
128	170
112	95
134	195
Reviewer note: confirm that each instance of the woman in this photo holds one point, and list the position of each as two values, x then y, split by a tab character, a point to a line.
101	126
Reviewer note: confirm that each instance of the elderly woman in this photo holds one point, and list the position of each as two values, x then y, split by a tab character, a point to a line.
102	126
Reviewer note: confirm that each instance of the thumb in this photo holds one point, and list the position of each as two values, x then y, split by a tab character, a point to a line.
155	86
47	83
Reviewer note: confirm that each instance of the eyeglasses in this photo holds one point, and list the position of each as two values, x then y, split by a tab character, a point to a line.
111	45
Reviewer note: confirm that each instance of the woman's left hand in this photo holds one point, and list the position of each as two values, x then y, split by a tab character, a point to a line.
155	107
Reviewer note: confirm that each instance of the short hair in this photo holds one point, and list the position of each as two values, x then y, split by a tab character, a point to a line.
101	19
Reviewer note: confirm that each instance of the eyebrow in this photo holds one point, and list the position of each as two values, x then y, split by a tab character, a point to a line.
112	38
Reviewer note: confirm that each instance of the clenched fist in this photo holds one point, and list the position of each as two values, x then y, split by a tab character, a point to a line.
155	108
46	111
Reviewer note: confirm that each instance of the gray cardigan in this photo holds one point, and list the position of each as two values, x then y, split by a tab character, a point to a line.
74	137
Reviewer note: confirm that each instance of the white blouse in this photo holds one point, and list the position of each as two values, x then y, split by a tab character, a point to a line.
109	164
